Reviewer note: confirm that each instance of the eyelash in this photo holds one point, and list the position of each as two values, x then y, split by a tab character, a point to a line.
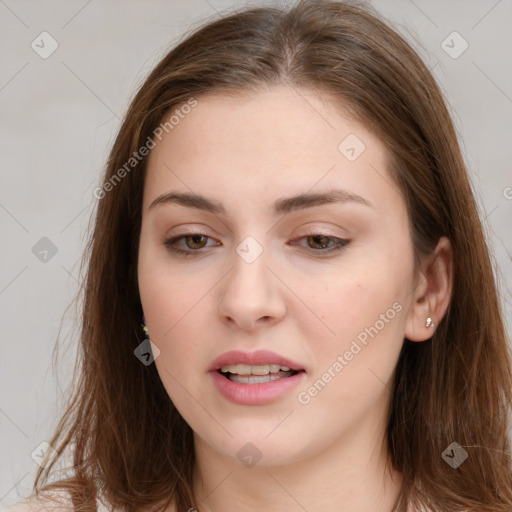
339	244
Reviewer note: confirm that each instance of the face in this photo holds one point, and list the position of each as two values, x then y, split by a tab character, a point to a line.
312	293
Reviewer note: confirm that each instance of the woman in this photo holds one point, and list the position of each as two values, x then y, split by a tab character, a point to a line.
287	210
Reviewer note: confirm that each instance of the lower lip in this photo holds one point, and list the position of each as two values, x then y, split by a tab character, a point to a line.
255	394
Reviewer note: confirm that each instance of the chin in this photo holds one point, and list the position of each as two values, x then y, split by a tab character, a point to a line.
259	448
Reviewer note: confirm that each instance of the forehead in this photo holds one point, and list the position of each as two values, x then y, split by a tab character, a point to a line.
277	142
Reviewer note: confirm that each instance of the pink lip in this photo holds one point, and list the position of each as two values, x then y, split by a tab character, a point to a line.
254	394
253	358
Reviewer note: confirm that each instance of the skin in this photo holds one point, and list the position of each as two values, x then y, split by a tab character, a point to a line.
328	454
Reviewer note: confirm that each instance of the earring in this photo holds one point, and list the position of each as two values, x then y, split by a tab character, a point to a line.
144	327
429	322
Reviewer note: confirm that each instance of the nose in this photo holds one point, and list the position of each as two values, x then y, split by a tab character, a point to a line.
251	295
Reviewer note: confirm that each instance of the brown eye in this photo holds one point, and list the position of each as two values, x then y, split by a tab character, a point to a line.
318	241
321	245
188	244
195	241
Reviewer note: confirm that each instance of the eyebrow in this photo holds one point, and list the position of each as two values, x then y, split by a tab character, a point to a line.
280	207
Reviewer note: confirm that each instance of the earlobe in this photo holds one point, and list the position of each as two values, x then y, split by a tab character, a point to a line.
433	293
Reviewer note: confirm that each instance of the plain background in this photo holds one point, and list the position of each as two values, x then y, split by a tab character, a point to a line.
59	116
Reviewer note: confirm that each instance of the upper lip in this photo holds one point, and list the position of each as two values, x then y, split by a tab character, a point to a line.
259	357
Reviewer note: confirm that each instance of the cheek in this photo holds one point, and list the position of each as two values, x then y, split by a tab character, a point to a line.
366	309
178	307
169	292
352	372
357	297
174	319
368	326
174	308
167	298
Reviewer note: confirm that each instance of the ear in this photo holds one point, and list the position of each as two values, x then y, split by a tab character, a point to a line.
432	294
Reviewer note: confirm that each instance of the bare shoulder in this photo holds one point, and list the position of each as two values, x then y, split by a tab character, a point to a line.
54	502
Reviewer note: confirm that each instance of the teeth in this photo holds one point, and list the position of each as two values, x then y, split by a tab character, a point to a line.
257	379
260	369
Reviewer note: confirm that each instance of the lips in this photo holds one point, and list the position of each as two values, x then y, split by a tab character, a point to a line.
259	358
242	378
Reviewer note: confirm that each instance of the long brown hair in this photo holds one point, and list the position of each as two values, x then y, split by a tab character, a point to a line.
131	444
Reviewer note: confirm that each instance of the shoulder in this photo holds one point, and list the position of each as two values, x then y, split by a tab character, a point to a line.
54	502
57	501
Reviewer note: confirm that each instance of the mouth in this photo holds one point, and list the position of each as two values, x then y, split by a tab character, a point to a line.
256	374
255	378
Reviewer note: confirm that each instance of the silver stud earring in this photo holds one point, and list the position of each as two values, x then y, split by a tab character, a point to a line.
429	322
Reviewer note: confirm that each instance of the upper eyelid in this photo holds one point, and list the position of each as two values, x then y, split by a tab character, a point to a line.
309	233
202	231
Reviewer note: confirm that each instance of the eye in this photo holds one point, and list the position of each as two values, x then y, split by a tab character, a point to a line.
316	242
321	243
193	242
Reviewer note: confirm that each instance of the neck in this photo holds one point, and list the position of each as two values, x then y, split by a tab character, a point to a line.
352	475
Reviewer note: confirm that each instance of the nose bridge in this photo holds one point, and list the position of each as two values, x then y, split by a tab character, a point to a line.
250	290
